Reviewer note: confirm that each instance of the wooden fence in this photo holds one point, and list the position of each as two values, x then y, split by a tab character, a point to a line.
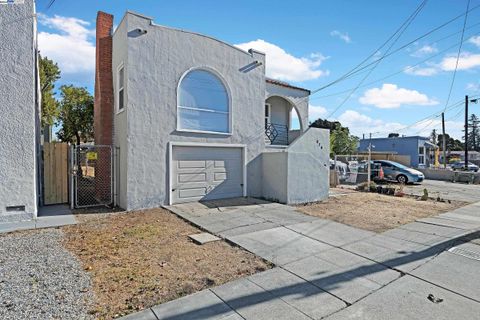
403	159
55	173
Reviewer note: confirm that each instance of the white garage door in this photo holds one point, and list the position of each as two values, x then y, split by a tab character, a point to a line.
206	173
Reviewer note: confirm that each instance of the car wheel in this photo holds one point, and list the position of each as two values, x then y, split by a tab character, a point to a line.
402	179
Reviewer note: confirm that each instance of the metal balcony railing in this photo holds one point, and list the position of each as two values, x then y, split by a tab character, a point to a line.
276	133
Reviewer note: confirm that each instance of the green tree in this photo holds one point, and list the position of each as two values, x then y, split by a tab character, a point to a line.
451	143
49	74
434	136
325	124
474	133
76	115
342	142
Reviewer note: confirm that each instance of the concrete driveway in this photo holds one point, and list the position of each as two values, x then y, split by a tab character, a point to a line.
447	190
422	270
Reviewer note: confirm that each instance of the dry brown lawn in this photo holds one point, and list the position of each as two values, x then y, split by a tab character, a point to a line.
137	260
376	212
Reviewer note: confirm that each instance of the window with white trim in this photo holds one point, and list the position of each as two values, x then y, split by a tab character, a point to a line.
268	113
203	103
120	91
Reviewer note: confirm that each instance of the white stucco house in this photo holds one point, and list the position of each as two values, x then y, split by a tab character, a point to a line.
20	111
195	118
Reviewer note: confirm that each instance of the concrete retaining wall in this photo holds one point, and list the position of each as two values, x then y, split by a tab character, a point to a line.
448	175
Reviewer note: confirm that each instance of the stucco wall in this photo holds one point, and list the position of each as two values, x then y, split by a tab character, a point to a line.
18	111
301	172
155	63
280	111
274	170
119	57
297	98
308	166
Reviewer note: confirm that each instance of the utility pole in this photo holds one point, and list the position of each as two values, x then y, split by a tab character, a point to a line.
369	159
444	143
466	132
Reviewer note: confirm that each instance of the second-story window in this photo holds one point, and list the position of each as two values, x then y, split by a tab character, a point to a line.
121	91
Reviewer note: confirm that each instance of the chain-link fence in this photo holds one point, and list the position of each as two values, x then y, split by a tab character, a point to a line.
353	169
92	173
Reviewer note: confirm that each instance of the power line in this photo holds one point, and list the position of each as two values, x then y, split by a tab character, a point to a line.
375	51
434	115
404	27
406	68
458	55
359	68
50	4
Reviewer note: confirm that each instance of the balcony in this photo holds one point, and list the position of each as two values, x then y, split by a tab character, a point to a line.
276	134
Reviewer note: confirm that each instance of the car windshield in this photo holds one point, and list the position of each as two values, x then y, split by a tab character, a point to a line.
395	164
462	163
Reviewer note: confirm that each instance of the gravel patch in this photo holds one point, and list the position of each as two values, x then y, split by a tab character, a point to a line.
39	279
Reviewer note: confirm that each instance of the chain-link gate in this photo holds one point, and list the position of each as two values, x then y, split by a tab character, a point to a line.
353	169
92	175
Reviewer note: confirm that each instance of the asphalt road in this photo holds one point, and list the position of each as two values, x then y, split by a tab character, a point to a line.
447	190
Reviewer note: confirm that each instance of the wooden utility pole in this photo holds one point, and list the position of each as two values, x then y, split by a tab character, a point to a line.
444	143
369	159
466	132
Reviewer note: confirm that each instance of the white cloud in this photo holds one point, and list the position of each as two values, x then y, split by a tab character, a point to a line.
425	127
360	124
466	61
70	43
475	87
390	96
314	113
419	71
424	51
284	66
475	40
341	35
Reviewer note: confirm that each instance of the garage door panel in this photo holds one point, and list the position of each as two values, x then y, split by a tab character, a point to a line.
192	177
191	164
219	193
219	176
202	173
219	164
192	193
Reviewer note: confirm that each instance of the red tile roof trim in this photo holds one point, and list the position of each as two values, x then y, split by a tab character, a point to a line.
284	84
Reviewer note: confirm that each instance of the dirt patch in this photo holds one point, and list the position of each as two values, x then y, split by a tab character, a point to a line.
376	212
140	259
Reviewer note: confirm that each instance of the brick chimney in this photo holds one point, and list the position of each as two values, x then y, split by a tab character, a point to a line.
103	109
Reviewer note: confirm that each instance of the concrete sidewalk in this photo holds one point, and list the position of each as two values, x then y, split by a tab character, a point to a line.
329	270
48	217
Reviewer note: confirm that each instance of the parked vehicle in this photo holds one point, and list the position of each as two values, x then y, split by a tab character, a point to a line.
395	171
460	165
341	168
376	170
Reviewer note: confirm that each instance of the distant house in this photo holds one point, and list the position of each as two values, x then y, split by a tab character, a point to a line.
420	149
19	109
472	155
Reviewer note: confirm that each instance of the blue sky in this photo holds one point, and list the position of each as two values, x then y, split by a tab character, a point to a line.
309	44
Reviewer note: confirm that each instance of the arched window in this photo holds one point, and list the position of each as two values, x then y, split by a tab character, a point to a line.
203	103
